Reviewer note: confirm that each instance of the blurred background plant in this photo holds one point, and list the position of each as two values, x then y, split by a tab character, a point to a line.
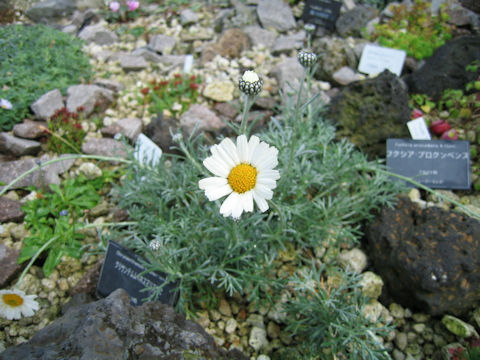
65	132
174	95
121	11
34	60
414	29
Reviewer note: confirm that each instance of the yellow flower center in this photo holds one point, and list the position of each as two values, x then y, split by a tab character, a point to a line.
12	300
242	178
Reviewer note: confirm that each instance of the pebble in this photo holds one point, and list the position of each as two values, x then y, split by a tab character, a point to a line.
258	338
273	330
256	320
401	340
224	308
231	326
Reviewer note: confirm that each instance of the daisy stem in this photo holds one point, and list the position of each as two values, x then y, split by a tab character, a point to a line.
247	104
32	260
426	188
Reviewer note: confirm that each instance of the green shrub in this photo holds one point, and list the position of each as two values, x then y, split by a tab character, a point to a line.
414	30
33	61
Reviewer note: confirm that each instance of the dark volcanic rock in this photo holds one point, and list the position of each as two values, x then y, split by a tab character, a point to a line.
113	329
428	258
370	111
10	210
445	69
352	22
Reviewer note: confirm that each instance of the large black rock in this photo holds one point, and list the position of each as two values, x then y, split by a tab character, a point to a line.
428	258
111	328
445	69
369	112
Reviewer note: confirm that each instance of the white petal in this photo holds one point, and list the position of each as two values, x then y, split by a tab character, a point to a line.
247	200
228	205
269	161
238	207
252	144
219	152
242	148
261	152
215	167
270	183
215	193
263	191
230	150
269	174
261	203
213	181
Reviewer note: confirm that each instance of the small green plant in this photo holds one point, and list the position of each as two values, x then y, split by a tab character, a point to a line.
174	95
470	352
121	11
34	60
414	29
53	217
325	312
65	131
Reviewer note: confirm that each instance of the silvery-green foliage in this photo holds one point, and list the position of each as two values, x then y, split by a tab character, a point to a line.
326	191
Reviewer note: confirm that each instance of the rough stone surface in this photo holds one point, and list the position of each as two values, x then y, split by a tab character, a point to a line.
346	75
334	53
130	127
188	17
133	63
10	170
353	260
370	111
230	45
104	147
89	97
47	104
159	132
219	91
287	43
275	14
113	329
287	72
30	129
18	147
10	210
352	22
49	11
201	118
259	36
98	35
8	264
162	44
108	84
428	258
445	69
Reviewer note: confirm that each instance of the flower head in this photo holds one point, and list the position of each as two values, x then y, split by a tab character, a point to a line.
245	172
307	59
250	83
133	5
14	303
5	104
114	6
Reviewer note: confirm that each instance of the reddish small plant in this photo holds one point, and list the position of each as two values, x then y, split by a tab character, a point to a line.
65	132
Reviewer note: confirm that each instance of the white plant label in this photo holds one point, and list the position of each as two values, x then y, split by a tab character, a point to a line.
146	151
376	59
188	64
418	129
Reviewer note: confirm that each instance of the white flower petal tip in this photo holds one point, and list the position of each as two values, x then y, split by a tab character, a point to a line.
14	304
243	171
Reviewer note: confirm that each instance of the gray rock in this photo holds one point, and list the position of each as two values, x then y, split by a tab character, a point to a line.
130	127
30	129
287	43
104	147
288	74
398	355
162	44
47	104
275	14
88	97
8	262
113	329
460	16
133	63
188	17
258	338
334	53
90	4
108	84
371	285
148	55
98	34
346	75
201	118
50	11
259	36
11	170
401	340
352	22
244	15
10	210
353	260
90	170
17	146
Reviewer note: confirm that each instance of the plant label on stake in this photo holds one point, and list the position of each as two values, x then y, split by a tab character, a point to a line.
322	13
418	129
146	151
123	269
375	59
188	64
438	164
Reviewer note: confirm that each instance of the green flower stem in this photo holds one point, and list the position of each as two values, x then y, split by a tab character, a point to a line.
426	188
58	159
190	157
247	104
123	223
32	260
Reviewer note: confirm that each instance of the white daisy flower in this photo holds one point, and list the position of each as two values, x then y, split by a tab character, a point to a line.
5	104
244	172
14	304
